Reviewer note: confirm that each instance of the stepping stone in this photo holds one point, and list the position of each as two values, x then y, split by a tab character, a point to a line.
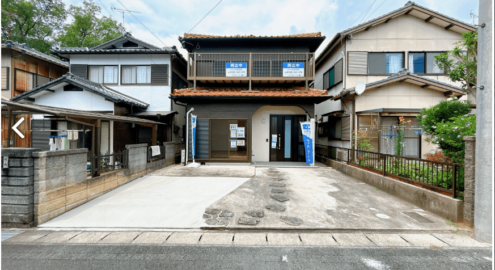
279	179
278	190
258	214
206	216
275	207
248	221
226	213
291	220
277	185
211	221
279	197
212	211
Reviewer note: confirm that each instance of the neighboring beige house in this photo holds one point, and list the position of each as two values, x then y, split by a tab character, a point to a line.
393	55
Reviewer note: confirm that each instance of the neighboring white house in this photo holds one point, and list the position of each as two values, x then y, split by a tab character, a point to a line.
124	76
393	55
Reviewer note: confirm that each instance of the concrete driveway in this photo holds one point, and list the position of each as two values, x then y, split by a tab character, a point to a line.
151	202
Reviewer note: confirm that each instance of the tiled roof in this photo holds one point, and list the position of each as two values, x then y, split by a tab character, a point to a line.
126	36
24	48
96	88
316	34
294	92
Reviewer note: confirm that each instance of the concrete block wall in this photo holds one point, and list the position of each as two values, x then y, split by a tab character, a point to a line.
444	206
17	188
137	158
60	182
469	177
169	153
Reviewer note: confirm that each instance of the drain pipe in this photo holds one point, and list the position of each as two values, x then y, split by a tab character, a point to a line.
187	134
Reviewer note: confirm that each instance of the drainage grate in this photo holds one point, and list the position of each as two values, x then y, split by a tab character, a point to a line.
418	217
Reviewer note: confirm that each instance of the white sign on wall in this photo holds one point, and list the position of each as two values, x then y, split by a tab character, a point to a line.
233	143
240	132
241	143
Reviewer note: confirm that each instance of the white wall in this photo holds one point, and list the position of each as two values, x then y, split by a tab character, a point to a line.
156	96
261	131
76	100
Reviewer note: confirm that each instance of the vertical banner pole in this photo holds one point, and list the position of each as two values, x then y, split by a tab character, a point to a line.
193	145
308	137
313	130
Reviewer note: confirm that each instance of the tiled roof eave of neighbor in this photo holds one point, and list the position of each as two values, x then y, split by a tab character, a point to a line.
294	92
204	36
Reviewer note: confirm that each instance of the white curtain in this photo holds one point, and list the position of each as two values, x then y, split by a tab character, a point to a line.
111	74
96	74
144	74
411	63
394	62
129	74
432	67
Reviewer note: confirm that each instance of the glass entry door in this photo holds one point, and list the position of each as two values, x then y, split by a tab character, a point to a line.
286	142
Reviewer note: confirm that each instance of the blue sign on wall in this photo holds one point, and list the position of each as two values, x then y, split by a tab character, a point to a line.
237	69
293	69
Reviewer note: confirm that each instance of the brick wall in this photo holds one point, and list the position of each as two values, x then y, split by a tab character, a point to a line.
469	176
17	188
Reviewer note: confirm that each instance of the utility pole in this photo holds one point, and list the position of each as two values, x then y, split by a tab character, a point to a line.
8	27
123	11
483	190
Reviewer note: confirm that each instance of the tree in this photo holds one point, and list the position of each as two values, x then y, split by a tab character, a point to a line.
89	29
36	22
461	62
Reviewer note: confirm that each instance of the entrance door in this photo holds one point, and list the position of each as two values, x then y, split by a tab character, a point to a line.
286	143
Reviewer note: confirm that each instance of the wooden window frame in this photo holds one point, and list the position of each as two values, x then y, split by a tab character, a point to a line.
386	74
426	63
121	77
89	74
7	83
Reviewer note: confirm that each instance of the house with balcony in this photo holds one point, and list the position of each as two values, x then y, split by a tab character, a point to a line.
23	69
124	76
249	94
392	58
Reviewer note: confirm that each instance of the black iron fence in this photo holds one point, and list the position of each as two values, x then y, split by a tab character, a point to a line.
108	162
157	156
441	176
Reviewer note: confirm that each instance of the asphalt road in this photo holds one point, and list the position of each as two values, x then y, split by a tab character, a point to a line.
35	256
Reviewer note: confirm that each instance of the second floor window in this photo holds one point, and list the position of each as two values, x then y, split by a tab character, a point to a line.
136	74
104	74
385	63
424	63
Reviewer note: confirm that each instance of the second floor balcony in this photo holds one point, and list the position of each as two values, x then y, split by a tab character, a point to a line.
251	67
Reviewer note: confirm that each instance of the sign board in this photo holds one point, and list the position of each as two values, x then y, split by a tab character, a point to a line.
193	145
240	132
233	126
241	143
233	143
5	162
238	69
295	69
274	141
307	132
233	133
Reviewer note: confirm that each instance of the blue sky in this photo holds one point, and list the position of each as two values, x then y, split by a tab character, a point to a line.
169	19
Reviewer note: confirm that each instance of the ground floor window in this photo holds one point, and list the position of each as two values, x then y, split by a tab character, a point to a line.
228	139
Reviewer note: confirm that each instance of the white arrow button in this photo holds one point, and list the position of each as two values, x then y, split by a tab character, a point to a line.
15	128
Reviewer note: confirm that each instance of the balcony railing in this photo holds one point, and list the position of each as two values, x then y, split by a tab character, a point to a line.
258	66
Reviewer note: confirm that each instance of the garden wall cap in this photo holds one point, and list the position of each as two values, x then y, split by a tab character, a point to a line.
129	146
60	152
469	138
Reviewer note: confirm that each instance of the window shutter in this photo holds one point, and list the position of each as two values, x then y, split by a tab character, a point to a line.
5	78
338	71
332	77
358	63
346	128
326	80
377	63
159	74
79	70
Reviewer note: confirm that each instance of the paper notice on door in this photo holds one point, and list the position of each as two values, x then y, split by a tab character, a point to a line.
274	141
233	133
233	143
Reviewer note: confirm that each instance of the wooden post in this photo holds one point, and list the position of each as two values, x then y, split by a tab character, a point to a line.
250	69
97	145
194	70
84	136
306	71
9	132
154	131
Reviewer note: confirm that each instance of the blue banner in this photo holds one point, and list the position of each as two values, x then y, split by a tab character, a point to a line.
293	65
307	133
236	65
193	145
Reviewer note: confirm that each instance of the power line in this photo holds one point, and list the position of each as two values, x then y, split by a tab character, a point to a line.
143	24
362	15
204	16
377	9
367	11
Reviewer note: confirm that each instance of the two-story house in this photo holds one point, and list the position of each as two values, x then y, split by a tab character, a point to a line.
249	94
124	76
392	59
23	69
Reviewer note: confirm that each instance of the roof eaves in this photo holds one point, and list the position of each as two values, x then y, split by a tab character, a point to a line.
24	48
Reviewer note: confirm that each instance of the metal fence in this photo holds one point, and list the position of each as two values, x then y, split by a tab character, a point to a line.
261	64
160	156
108	162
441	176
